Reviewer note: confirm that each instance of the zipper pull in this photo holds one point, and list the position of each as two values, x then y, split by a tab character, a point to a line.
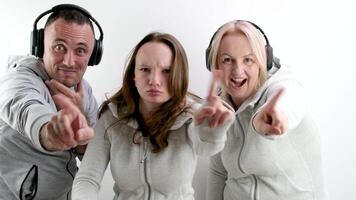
145	147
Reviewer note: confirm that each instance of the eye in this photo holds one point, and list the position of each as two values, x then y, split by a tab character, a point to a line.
166	71
59	48
227	60
248	60
81	51
145	69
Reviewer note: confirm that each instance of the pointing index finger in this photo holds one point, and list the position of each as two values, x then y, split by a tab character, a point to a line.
214	84
273	101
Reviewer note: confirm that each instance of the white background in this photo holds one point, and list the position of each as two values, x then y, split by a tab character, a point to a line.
317	38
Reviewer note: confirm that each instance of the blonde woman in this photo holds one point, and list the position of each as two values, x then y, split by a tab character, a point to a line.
272	149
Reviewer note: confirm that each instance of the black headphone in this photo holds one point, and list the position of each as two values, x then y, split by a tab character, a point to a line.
37	36
269	49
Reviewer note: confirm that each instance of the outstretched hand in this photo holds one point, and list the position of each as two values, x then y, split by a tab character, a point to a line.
213	110
271	120
67	129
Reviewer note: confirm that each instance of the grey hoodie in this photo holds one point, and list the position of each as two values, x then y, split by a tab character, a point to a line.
27	171
257	167
138	173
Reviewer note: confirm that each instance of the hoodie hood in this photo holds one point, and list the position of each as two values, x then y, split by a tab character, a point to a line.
28	64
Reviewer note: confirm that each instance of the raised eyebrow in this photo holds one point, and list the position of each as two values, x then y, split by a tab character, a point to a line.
83	44
60	40
79	44
249	54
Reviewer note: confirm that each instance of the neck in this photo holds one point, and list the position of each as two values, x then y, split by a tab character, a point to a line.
235	104
146	110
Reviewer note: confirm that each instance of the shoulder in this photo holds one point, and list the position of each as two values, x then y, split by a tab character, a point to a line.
21	68
107	116
281	73
194	102
86	86
17	60
108	111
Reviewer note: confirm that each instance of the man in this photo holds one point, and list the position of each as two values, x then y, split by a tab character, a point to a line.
47	109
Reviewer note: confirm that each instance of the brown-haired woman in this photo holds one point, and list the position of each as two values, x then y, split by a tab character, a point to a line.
152	130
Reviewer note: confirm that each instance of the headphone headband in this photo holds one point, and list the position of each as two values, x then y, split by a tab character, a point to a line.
37	36
269	49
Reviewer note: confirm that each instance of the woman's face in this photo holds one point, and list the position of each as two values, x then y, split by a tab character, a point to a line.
153	63
239	65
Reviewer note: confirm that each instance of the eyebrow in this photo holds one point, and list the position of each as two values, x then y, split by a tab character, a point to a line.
249	54
225	54
78	44
144	65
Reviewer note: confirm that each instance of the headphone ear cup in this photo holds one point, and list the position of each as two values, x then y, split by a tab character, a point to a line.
269	53
33	41
37	43
40	50
207	52
96	54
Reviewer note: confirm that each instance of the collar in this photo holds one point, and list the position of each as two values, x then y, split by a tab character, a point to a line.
180	121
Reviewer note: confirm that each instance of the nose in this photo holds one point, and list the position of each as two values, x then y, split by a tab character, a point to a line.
155	78
69	59
238	68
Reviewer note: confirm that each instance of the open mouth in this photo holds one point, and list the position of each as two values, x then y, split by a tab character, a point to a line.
238	82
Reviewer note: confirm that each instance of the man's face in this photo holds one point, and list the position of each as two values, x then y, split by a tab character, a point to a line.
68	47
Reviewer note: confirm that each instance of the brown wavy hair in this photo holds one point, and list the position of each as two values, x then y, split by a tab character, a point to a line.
127	98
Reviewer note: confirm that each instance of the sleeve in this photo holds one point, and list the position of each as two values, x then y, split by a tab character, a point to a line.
24	105
87	182
292	102
208	141
216	179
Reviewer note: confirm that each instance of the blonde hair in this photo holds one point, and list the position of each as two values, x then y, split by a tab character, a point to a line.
255	38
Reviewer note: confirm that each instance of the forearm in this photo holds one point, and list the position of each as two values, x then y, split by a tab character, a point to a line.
85	190
208	141
216	179
87	182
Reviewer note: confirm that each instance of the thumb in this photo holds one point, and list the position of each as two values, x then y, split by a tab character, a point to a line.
83	135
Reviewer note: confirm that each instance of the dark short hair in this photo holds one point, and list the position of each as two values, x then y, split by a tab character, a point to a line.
69	15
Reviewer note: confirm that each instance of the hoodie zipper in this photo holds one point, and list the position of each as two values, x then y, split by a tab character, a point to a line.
255	184
242	146
254	178
144	162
